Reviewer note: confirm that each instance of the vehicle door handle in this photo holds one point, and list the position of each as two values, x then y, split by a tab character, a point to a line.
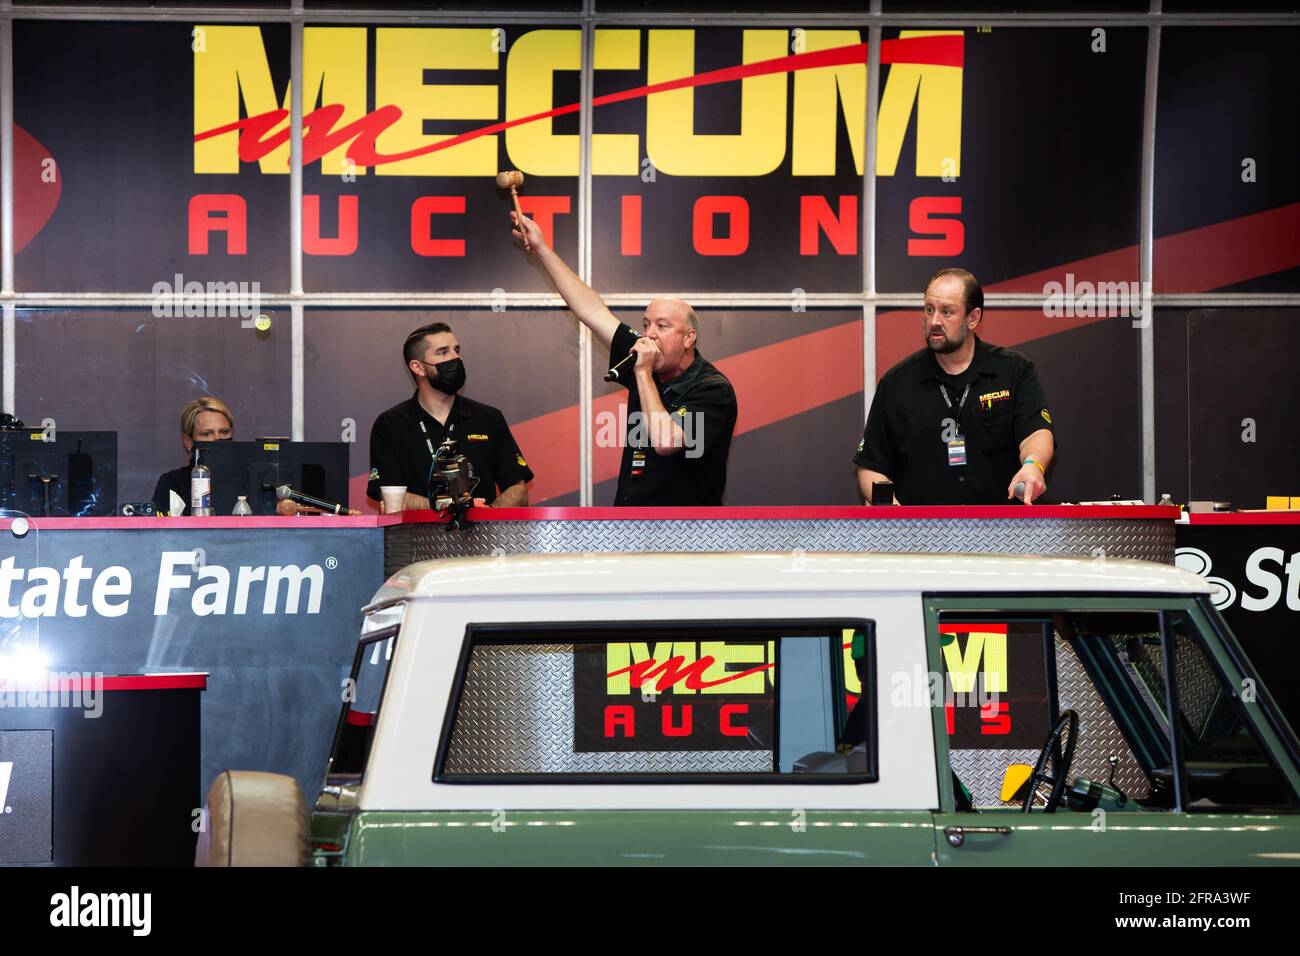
957	835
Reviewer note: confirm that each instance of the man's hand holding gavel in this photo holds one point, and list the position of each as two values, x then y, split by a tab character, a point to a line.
530	231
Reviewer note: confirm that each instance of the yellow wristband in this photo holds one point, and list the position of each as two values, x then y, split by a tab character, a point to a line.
1030	461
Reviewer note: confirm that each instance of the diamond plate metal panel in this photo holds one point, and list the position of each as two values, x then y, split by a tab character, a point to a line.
1099	735
981	771
1120	538
1198	685
516	716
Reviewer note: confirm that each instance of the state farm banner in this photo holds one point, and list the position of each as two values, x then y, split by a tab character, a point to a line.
272	618
1255	571
995	693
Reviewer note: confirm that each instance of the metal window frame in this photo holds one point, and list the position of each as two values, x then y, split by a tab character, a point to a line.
588	18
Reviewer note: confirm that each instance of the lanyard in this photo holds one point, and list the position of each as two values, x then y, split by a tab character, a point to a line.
948	401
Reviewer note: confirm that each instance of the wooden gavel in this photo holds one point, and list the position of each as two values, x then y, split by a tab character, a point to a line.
512	179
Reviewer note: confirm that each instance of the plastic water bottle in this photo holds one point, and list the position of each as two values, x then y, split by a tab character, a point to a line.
241	507
200	488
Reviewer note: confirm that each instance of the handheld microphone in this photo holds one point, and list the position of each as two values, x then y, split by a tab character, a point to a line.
612	374
285	493
1019	491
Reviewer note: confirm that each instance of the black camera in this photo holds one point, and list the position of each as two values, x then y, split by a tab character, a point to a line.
452	482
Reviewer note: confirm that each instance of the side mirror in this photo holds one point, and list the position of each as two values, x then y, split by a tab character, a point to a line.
1014	780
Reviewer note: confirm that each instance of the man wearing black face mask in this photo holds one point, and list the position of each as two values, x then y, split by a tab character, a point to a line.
404	438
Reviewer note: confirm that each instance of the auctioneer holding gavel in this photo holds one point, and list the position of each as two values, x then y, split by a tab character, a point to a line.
681	409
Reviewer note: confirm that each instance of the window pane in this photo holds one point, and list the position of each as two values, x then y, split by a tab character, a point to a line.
1226	765
672	703
353	370
994	698
999	712
361	713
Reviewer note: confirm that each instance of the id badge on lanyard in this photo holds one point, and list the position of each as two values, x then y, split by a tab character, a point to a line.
957	443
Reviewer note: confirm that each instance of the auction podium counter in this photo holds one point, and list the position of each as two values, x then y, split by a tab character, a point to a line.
270	607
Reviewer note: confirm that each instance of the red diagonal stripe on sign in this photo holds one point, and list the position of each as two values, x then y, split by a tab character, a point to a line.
1217	256
1198	260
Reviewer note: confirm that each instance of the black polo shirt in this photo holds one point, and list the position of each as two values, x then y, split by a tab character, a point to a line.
399	453
697	474
904	438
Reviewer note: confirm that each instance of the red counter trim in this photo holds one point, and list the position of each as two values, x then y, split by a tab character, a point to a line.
132	682
814	512
1256	517
151	523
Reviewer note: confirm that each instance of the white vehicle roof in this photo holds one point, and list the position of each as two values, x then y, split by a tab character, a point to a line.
738	573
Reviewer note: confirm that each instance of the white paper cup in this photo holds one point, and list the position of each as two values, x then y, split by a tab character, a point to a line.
394	498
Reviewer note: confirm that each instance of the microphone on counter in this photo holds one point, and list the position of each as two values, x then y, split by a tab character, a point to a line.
612	374
285	493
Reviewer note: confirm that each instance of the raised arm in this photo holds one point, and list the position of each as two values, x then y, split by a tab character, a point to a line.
582	300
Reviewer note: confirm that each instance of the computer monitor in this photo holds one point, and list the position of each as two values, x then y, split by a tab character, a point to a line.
255	469
58	473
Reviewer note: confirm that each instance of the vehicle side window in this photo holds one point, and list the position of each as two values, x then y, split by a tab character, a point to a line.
1007	677
995	696
662	703
1226	765
361	697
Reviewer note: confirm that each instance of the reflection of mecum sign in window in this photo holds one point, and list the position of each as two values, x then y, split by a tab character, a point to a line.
650	699
674	695
995	684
